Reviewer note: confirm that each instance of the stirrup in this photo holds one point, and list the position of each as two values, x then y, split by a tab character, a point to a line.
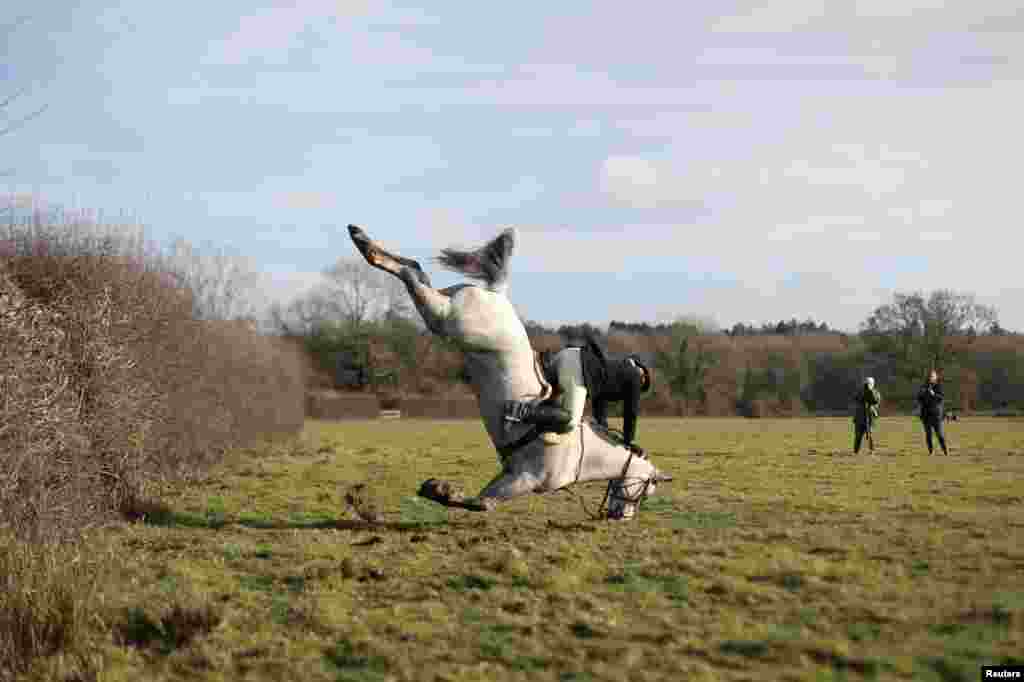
546	417
552	437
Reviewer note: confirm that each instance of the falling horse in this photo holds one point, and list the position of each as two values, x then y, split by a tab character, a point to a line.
503	370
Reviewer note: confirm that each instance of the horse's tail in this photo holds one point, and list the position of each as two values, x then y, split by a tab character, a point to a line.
489	263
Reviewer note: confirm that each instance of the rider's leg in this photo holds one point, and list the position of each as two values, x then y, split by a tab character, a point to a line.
572	394
566	413
569	365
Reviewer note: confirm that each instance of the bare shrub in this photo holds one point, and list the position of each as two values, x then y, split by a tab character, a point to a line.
109	387
336	405
108	383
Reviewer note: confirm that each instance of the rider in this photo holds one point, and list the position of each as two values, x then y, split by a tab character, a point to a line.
577	372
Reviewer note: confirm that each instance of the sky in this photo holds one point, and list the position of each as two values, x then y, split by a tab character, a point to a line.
743	161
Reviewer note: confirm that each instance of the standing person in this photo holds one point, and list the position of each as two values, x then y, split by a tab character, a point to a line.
868	400
931	399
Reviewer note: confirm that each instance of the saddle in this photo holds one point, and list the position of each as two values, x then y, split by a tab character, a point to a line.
546	363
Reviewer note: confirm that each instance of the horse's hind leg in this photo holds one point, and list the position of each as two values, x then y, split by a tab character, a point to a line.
505	486
433	306
377	256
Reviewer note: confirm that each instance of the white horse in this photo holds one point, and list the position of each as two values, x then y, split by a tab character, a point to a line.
502	367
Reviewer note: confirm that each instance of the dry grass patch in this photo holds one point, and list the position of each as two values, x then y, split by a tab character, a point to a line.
47	608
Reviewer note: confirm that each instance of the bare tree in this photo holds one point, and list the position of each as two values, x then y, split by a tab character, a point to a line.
919	329
356	289
224	284
303	315
353	293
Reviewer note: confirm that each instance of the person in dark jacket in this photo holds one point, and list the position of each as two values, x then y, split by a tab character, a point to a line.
931	400
625	380
867	399
579	372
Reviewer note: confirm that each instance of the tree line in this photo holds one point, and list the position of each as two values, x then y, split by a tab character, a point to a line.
361	319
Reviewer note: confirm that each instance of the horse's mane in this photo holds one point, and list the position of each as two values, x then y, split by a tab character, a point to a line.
489	263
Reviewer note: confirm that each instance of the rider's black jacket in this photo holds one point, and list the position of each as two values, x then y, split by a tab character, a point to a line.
611	381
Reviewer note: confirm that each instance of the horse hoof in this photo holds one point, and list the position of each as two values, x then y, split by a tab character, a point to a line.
378	257
365	246
439	491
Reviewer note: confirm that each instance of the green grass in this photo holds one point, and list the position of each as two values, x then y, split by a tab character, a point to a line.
416	510
772	555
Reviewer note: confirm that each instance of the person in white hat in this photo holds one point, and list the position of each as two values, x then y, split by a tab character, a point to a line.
867	399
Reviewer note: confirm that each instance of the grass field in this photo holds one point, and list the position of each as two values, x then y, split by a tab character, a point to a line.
775	554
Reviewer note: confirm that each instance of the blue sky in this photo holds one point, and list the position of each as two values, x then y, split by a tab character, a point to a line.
735	160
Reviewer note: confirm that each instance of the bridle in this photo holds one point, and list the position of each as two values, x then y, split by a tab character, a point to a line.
602	508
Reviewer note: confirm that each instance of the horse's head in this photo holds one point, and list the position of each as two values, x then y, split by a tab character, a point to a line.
625	495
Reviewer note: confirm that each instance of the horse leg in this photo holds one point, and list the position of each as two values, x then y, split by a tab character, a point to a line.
505	486
433	306
379	257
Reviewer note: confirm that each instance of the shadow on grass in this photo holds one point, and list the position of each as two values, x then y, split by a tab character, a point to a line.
471	581
634	579
416	515
350	666
868	668
497	643
174	629
172	519
702	520
971	641
750	648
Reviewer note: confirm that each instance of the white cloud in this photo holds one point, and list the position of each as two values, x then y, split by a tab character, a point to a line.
908	40
931	236
267	33
911	16
305	199
675	123
878	171
920	174
645	183
864	236
813	225
772	18
586	128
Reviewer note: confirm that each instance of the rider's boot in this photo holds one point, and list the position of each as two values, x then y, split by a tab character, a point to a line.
545	416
